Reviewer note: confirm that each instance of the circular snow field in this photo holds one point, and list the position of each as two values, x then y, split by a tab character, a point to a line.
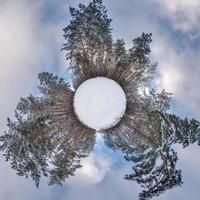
99	103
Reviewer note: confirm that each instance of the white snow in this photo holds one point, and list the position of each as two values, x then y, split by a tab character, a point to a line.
99	103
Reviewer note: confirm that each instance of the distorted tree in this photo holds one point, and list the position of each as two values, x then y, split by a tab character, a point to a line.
49	137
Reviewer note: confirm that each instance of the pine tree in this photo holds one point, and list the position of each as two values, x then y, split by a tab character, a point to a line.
89	46
88	36
149	145
120	54
39	142
47	139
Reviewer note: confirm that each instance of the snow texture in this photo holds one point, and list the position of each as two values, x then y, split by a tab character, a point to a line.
99	103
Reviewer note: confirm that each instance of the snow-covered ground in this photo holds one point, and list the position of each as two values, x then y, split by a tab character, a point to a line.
99	103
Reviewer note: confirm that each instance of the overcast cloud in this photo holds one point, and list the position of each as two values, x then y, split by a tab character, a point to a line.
30	42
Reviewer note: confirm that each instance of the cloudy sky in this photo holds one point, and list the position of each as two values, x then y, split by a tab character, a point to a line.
30	42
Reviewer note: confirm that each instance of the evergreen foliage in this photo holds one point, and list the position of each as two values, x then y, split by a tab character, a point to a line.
149	146
47	139
40	142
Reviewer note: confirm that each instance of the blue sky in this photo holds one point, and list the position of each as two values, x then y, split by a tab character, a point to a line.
30	42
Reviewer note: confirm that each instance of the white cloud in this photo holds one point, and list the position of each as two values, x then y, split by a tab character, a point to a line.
178	72
28	46
169	66
95	167
75	3
111	187
178	62
184	14
20	188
